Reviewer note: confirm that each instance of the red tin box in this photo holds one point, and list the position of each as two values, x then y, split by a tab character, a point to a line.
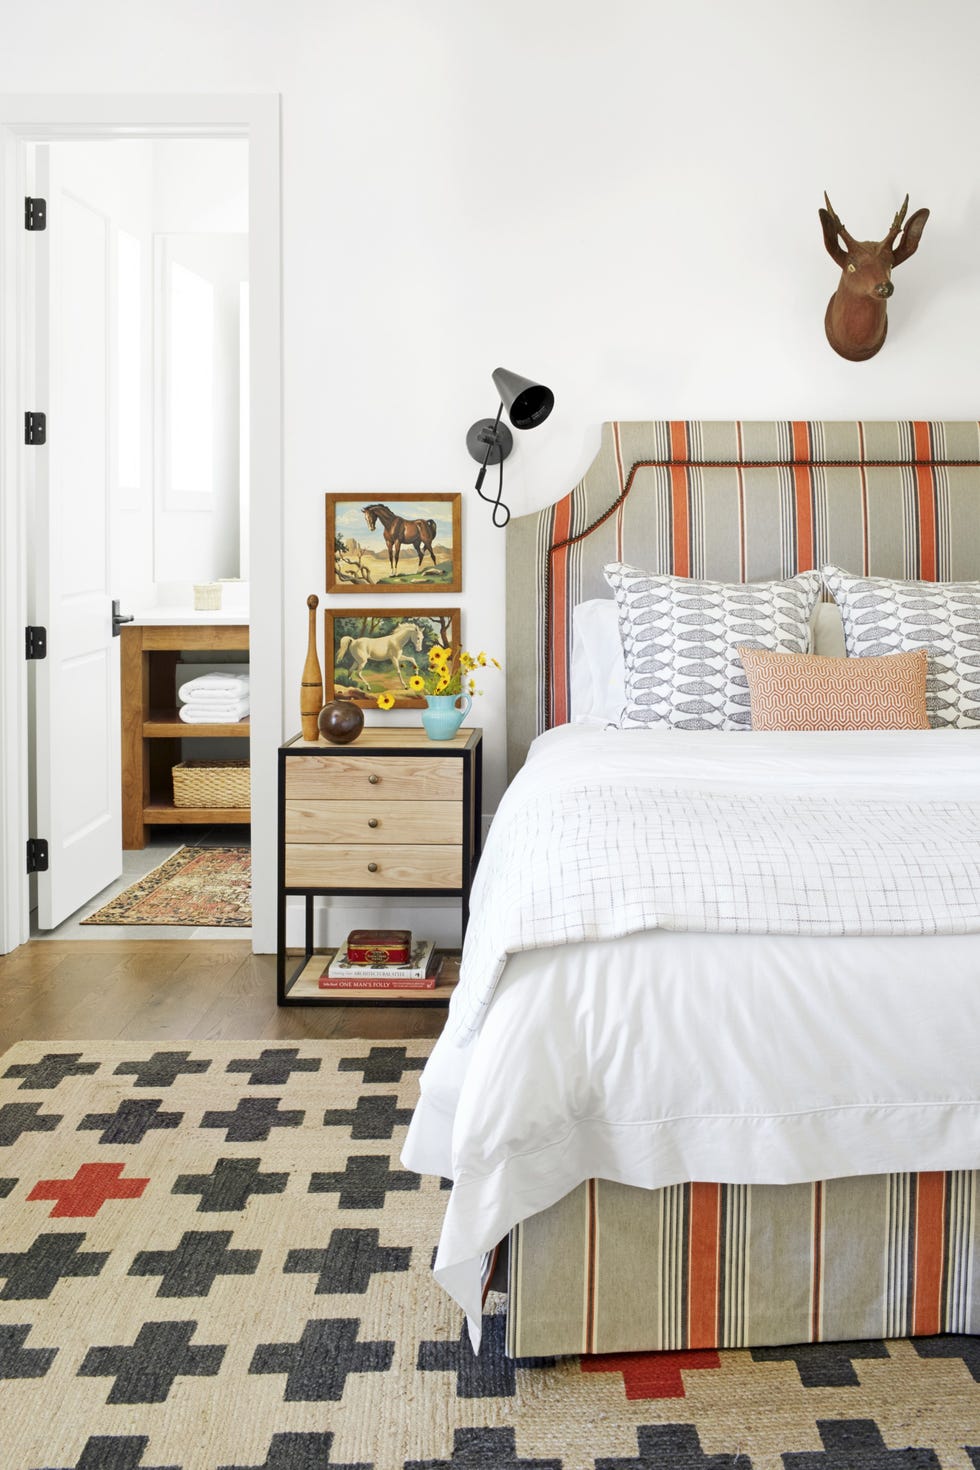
379	946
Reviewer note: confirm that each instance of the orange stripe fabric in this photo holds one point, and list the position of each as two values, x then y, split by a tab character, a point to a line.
559	612
680	520
804	497
926	494
930	1231
703	1266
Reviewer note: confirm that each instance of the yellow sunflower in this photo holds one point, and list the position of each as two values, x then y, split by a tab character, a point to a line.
386	701
443	684
417	684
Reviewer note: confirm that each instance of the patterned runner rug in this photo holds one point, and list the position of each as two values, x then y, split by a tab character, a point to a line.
211	1257
203	886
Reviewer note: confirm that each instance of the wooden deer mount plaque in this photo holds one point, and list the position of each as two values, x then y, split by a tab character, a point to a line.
856	319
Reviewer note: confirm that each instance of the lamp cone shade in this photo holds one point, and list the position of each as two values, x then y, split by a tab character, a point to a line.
528	404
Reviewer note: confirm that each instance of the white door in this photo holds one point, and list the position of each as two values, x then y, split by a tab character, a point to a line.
77	767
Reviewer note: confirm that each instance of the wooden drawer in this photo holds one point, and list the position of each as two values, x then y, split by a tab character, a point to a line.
409	865
427	822
364	777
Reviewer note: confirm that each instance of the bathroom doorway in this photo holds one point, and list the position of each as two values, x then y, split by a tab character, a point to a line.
146	303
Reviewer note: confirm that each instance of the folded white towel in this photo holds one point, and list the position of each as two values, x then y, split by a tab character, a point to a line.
210	685
215	714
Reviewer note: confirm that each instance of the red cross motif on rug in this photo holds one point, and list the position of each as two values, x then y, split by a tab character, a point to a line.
651	1375
87	1192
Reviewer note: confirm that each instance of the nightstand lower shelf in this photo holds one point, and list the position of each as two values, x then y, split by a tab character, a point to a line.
304	990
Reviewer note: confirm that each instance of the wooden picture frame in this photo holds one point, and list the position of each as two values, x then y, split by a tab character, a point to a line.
365	557
347	678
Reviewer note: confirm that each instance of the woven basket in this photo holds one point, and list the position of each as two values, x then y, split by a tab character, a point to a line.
207	596
212	783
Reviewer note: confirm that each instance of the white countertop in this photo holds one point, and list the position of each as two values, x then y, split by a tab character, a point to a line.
175	617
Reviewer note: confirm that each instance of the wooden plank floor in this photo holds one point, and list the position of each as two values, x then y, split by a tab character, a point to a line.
172	989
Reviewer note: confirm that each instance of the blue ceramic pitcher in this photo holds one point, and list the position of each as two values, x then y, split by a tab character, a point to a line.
444	715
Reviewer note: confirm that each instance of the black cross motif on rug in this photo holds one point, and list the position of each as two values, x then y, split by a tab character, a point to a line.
253	1119
19	1118
193	1266
349	1261
974	1452
274	1066
374	1117
365	1182
132	1121
114	1452
229	1185
823	1364
950	1346
486	1449
856	1444
146	1372
317	1366
7	1186
32	1275
299	1451
18	1361
162	1069
677	1446
487	1375
383	1064
51	1070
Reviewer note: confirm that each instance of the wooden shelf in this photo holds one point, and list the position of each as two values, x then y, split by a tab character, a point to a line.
306	988
153	732
161	812
163	724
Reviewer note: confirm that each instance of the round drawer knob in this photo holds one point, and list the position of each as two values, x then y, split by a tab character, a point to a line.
372	867
373	780
372	821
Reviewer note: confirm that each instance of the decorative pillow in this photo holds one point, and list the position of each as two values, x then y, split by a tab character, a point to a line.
681	640
806	691
882	616
595	685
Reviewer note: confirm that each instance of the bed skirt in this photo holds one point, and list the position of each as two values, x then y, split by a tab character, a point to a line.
612	1268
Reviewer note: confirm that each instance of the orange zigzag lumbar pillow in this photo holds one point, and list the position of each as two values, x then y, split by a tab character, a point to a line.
806	691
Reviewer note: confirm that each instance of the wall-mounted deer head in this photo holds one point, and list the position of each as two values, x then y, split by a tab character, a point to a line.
856	319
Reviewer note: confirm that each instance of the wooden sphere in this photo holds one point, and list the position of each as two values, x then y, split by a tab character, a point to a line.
340	721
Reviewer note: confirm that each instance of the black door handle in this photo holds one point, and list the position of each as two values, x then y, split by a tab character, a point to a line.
118	618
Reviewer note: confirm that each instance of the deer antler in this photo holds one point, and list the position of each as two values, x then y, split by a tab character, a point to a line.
848	239
897	223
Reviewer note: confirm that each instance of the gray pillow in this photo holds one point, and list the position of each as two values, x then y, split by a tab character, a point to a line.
681	639
885	616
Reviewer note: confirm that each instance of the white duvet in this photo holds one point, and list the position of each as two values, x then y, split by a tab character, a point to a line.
664	1056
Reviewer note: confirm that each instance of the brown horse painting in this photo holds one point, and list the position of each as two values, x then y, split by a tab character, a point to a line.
399	532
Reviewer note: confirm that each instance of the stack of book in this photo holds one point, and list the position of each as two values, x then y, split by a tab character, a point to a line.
382	959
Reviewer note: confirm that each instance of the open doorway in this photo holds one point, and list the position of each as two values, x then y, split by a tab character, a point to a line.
184	247
141	356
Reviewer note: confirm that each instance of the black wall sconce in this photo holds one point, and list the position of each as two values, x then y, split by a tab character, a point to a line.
489	441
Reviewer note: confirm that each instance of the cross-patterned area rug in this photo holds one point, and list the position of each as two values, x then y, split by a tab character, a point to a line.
204	886
210	1257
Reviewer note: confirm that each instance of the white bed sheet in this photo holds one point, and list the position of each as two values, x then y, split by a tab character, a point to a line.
674	1056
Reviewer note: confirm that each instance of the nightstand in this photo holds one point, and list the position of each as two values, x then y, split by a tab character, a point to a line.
394	814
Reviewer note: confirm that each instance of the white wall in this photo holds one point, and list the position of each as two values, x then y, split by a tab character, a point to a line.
620	198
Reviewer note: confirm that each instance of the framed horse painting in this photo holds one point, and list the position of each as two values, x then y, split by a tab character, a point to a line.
394	543
376	650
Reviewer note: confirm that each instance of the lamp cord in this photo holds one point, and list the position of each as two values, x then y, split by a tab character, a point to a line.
495	500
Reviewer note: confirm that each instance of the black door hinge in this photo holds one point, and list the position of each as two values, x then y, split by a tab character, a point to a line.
37	854
36	642
35	214
35	427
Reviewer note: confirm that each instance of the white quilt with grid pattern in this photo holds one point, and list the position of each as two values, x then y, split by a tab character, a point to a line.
858	834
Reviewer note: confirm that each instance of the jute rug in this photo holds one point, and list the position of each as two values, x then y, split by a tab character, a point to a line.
198	885
211	1257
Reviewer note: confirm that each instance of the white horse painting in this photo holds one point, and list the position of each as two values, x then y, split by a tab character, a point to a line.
388	649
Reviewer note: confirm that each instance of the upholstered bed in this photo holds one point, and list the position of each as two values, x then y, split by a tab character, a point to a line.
699	1126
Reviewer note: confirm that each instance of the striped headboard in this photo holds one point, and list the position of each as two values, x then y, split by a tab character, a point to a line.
733	502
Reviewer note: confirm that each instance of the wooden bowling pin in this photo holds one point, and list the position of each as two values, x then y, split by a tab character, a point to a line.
311	689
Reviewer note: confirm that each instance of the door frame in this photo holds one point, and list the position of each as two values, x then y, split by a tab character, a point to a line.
51	118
